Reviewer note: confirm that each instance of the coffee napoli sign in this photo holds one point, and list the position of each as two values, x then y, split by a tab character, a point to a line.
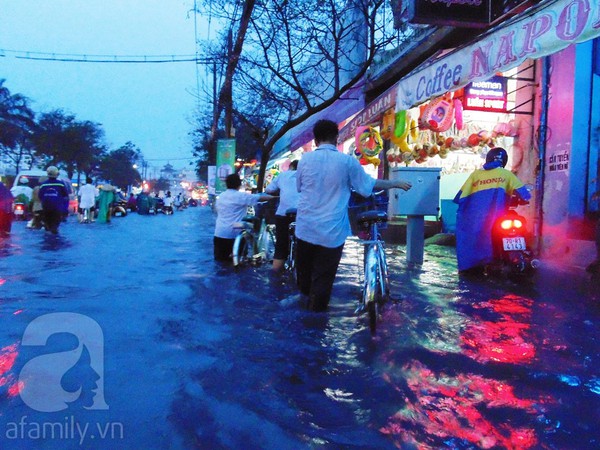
547	31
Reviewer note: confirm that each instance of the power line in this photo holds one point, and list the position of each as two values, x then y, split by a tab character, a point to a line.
138	59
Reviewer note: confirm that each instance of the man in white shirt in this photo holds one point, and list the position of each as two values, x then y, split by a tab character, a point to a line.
231	207
325	179
87	198
285	184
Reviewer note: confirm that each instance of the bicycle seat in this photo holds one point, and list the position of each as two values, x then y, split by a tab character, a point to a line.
369	217
291	212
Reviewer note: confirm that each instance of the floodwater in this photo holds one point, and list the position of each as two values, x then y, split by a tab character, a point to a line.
161	348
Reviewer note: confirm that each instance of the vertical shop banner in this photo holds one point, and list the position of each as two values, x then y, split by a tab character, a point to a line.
212	179
542	33
225	162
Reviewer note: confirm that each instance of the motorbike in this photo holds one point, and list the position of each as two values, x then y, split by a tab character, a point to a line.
20	211
119	209
512	255
159	207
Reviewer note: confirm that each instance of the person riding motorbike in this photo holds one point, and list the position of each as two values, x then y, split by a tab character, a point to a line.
481	200
168	203
54	197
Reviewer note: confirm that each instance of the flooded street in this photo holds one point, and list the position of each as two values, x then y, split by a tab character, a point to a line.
192	354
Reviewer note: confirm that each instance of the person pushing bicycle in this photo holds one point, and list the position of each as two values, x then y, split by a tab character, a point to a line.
231	207
325	178
285	184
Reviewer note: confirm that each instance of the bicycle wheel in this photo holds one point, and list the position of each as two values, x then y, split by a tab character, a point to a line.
372	291
384	277
268	243
290	262
242	248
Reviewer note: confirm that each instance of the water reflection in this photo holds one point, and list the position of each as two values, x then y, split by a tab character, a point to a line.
8	380
53	242
502	332
452	371
456	410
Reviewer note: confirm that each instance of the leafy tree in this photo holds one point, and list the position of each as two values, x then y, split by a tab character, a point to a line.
247	134
117	166
69	144
294	58
16	126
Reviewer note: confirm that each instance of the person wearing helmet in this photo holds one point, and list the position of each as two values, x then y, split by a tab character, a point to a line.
481	200
54	196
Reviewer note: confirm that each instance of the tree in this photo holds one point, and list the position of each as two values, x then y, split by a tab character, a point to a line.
117	166
16	126
69	144
298	57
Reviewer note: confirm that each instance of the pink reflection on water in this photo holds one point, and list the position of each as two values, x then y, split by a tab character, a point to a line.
8	355
468	408
505	339
451	407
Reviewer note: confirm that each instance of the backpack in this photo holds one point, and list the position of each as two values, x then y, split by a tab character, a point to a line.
52	196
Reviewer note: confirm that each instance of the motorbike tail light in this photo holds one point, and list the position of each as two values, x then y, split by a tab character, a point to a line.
506	224
517	223
19	207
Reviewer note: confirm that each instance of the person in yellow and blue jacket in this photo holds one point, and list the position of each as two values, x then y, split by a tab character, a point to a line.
481	200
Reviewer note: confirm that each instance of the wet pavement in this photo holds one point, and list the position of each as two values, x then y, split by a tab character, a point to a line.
161	348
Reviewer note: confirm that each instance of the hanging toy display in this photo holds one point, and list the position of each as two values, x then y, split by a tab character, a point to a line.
438	115
369	143
401	131
388	123
458	114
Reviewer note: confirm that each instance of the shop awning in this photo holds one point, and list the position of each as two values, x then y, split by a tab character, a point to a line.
351	102
543	32
372	111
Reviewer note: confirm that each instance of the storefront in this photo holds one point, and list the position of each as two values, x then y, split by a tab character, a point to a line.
528	86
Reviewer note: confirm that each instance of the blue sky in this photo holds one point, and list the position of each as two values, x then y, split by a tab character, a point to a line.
149	104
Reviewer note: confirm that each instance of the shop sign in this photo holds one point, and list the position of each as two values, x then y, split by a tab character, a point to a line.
489	95
225	162
463	13
542	33
373	110
559	162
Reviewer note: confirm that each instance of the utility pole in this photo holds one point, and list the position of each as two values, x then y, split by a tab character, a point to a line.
228	90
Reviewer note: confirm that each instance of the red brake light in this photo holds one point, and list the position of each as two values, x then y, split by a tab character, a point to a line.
506	224
517	223
20	207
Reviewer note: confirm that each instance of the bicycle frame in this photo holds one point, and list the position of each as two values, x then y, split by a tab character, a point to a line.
290	262
376	286
257	249
375	272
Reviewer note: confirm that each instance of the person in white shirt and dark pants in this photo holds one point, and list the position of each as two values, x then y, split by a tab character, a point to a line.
325	179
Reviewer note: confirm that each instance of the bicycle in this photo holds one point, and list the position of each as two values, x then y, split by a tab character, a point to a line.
375	290
290	262
86	215
255	242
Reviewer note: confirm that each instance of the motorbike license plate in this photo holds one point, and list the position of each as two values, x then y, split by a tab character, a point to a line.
515	243
19	212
